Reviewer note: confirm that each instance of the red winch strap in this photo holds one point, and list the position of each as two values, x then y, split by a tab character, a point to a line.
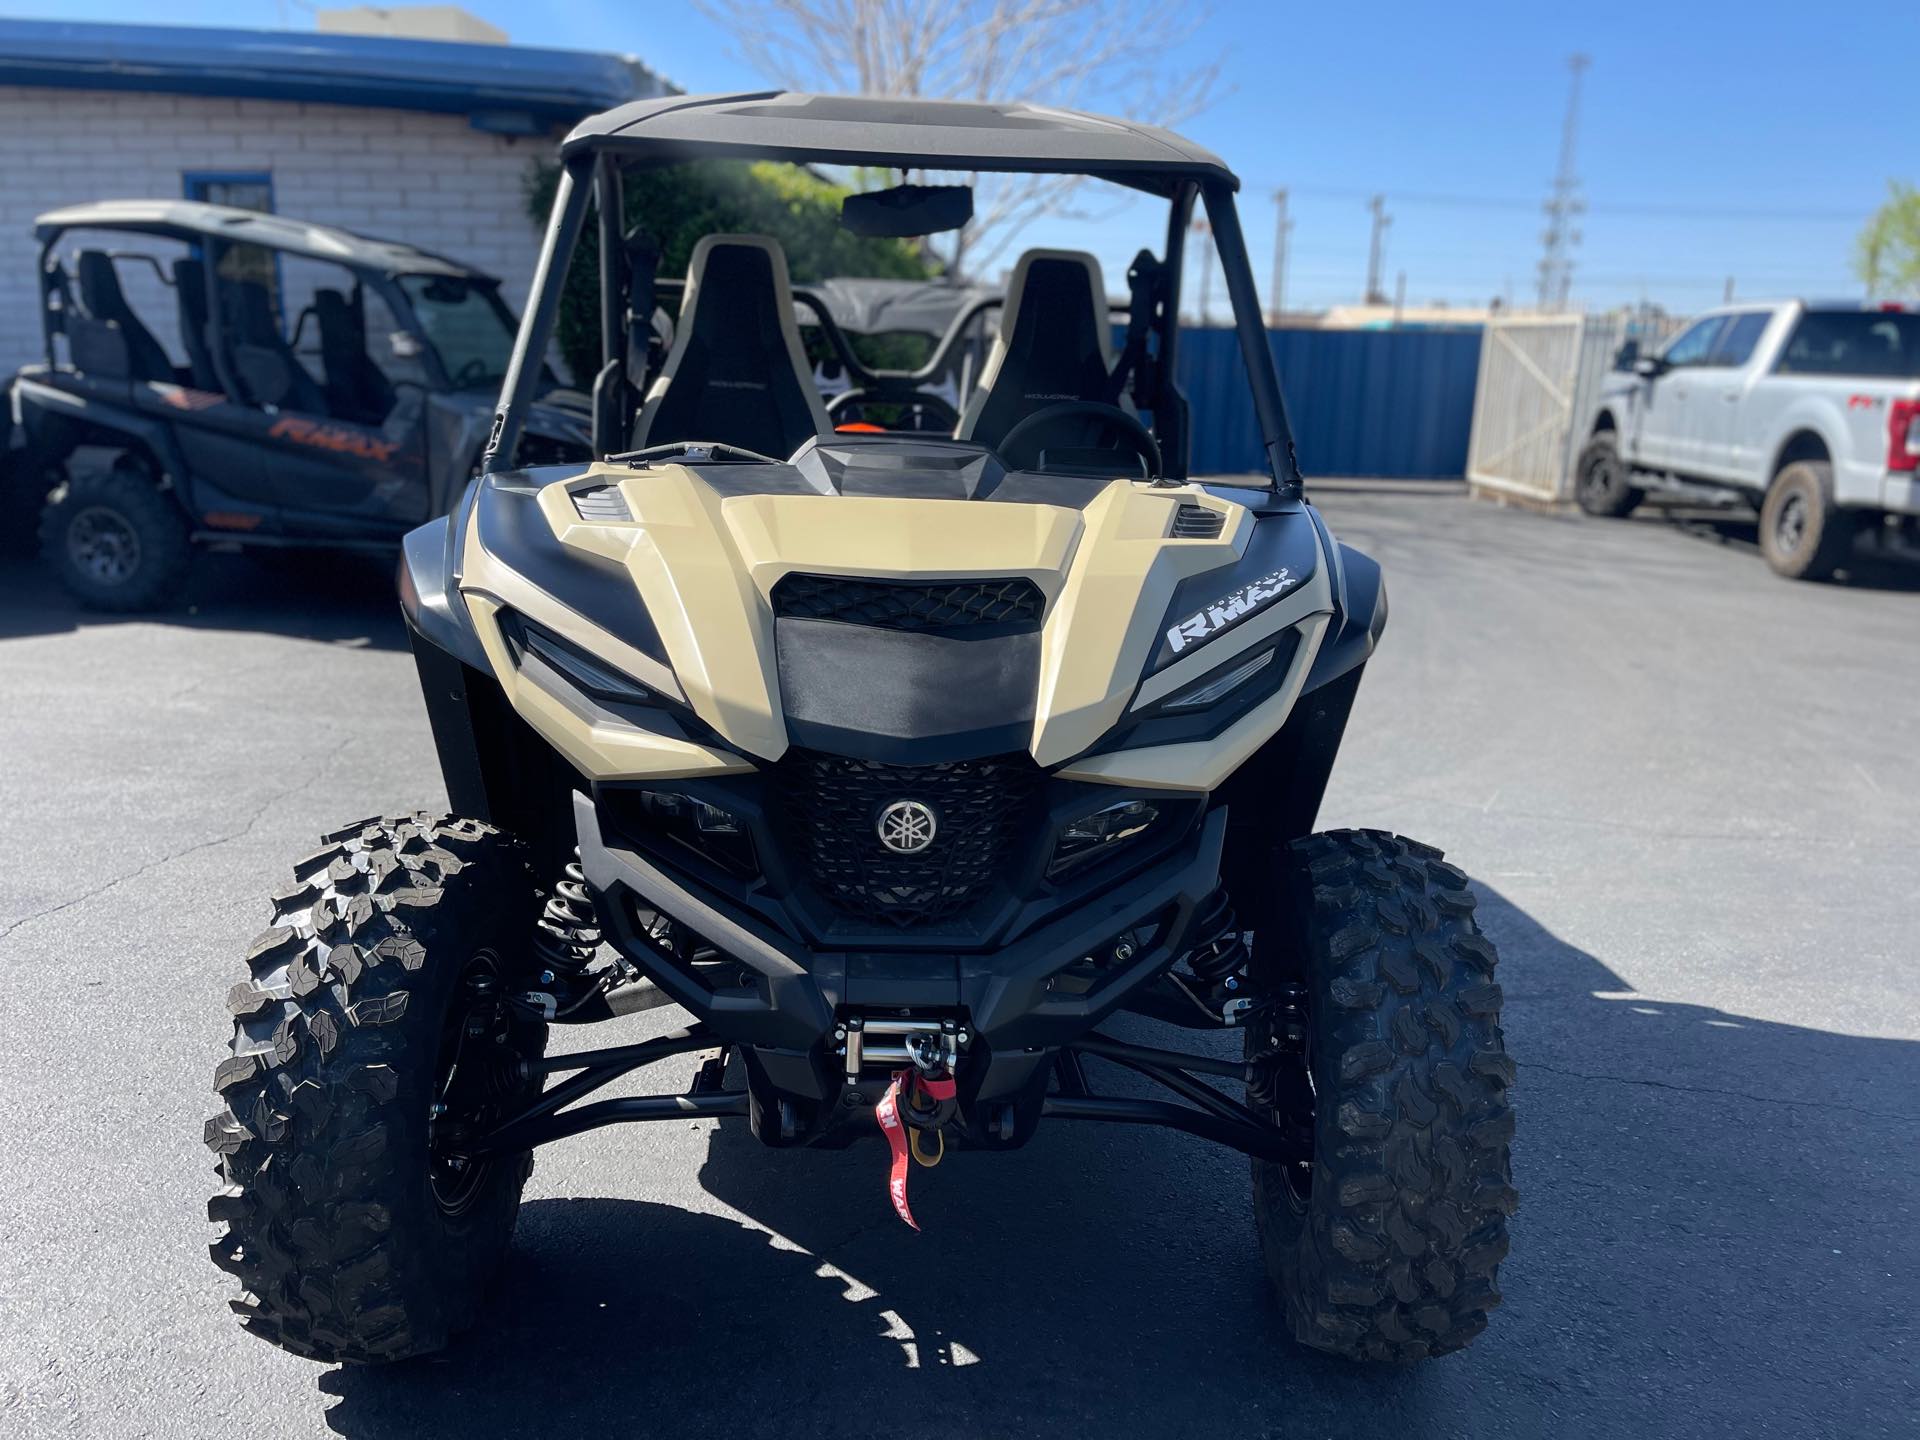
887	1112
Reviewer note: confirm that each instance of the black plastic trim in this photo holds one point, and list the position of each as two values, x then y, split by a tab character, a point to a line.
514	530
796	990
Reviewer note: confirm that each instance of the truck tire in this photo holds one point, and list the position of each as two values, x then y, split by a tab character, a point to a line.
1803	534
115	540
1387	1248
357	1234
1602	482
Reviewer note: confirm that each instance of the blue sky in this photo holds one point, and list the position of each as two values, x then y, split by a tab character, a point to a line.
1743	140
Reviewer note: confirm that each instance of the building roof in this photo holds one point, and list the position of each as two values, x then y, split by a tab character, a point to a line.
899	133
194	220
509	88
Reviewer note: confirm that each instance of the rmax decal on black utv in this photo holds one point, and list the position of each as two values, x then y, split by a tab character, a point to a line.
898	761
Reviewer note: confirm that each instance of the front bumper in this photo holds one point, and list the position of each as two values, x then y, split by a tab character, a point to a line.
792	996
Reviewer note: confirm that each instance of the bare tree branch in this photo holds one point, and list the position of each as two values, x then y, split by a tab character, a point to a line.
1103	55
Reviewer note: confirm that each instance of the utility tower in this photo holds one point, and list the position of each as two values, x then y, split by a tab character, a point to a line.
1381	220
1565	205
1281	227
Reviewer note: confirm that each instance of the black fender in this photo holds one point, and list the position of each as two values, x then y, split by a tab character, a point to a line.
495	767
57	420
1360	610
430	586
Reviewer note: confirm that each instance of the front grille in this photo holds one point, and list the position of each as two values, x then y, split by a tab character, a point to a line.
1010	605
830	807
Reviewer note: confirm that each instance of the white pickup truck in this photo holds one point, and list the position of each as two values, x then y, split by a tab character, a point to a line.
1810	412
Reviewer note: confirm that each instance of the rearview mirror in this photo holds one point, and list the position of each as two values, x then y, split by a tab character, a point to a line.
1649	367
908	210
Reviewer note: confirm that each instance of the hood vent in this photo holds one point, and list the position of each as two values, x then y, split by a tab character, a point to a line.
601	503
977	607
1197	522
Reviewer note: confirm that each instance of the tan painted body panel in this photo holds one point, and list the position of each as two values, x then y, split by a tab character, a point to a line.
705	566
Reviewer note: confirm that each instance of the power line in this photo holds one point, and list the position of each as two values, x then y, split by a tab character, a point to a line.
1635	209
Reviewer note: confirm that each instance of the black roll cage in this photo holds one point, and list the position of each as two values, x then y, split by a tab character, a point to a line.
592	172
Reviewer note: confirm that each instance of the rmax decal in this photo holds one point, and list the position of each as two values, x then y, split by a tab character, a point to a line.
337	438
1230	609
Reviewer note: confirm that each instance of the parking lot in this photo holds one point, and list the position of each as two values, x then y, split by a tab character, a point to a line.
1687	790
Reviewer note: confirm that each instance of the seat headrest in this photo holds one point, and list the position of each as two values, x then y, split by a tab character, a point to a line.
1055	288
332	310
1055	344
100	289
737	371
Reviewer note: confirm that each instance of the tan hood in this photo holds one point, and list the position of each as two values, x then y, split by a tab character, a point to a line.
705	566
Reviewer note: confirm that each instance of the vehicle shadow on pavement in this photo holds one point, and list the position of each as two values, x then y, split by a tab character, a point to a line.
329	598
1866	569
1693	1184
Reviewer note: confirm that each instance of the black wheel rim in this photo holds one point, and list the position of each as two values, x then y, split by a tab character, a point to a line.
476	1077
1790	525
103	546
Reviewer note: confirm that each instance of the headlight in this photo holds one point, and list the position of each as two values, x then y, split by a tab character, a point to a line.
1213	687
707	819
709	830
1100	832
586	674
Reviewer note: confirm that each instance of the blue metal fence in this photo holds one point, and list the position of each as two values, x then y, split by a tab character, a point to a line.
1362	402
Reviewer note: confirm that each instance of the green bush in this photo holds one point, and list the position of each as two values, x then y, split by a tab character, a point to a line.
679	204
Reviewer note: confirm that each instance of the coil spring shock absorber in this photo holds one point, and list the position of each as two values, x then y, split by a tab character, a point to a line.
1221	952
567	935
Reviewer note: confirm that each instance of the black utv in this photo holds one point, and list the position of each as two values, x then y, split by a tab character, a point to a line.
928	773
225	377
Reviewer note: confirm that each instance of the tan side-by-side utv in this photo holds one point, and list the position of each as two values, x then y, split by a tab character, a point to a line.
900	757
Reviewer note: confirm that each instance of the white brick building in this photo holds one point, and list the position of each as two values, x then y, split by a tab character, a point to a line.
422	141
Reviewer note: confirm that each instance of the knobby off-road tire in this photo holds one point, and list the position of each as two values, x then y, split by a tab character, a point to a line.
1387	1248
116	541
1602	483
355	1239
1803	534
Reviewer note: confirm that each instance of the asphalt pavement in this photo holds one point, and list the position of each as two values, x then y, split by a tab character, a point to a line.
1686	789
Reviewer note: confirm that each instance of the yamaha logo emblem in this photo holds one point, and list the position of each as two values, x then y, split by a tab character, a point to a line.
906	827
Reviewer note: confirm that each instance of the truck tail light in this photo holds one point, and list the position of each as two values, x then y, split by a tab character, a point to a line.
1903	435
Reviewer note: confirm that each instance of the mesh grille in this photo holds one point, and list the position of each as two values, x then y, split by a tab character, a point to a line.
831	805
921	605
1197	522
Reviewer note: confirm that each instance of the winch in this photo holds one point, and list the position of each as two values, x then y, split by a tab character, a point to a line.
871	1042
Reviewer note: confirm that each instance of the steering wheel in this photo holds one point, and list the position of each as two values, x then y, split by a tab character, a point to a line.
936	414
1127	428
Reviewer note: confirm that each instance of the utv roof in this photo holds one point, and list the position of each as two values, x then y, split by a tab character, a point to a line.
196	220
898	134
